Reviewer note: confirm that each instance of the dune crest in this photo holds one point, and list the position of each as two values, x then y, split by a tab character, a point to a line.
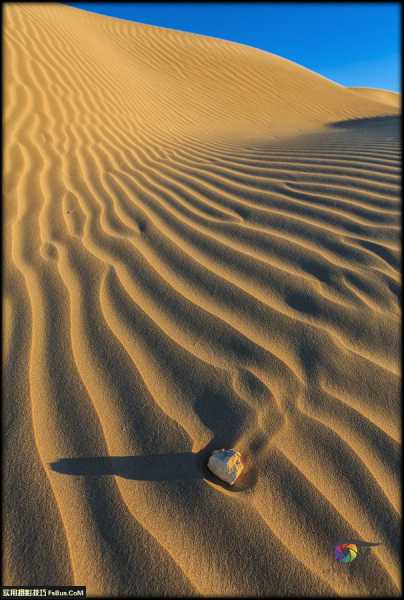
202	251
383	96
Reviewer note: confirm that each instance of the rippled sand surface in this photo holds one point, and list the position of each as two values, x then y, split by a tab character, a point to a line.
201	250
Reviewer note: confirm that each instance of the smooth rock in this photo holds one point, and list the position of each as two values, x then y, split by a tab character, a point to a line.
226	464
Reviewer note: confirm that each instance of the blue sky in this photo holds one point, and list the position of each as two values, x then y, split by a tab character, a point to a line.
353	44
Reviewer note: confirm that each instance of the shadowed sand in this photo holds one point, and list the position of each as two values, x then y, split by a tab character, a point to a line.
201	251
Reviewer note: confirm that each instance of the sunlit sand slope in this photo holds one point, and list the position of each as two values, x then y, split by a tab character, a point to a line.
201	251
384	96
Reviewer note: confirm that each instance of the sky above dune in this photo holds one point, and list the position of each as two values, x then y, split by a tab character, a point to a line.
354	44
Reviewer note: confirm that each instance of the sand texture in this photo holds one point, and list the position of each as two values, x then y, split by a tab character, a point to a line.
383	96
201	251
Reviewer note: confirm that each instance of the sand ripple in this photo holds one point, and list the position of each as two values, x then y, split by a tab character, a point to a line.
202	247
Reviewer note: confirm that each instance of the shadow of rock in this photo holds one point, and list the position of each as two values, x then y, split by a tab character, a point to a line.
155	467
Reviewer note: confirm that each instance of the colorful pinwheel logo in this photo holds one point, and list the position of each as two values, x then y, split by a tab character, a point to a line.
346	553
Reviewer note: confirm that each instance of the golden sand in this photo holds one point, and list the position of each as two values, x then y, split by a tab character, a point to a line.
201	251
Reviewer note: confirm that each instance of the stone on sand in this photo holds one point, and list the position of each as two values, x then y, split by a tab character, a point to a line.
226	464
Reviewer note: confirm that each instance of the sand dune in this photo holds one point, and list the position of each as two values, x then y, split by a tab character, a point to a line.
202	250
384	96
